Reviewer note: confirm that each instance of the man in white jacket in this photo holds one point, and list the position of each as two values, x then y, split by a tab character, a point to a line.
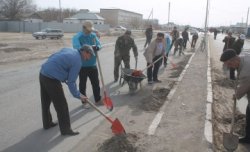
154	51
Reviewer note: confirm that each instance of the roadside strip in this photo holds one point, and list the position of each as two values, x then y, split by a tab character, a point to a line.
156	121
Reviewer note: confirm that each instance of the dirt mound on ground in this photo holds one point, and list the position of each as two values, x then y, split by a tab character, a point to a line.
120	143
154	101
180	66
3	45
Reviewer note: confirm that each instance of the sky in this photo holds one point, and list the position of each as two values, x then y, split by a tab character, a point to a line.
183	12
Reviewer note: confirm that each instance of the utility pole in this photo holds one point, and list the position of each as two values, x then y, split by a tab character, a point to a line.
60	7
247	18
206	20
168	11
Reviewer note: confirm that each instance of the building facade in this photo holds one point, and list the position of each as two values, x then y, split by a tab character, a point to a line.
83	16
118	17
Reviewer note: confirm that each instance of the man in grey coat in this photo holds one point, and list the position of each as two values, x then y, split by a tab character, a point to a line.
242	64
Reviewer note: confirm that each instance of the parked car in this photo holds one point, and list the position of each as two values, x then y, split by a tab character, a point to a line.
120	28
48	33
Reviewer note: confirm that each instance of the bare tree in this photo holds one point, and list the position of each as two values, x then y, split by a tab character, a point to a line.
15	9
135	23
53	14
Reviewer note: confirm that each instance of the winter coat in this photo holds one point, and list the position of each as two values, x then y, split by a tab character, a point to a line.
123	46
150	51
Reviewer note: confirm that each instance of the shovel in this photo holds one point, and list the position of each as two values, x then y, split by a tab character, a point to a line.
230	141
107	100
116	127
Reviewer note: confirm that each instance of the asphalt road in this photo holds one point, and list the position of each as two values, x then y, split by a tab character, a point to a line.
20	109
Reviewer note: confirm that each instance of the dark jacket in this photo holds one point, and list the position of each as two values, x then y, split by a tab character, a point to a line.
149	32
185	35
238	45
123	45
228	42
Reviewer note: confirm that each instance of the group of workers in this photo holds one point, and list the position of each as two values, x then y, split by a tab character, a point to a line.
68	64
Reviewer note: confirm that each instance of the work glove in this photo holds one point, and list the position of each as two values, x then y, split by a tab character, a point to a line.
95	48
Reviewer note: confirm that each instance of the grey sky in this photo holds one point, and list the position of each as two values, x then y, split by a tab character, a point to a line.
192	12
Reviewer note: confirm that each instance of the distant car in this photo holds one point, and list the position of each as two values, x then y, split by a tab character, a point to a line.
120	28
48	33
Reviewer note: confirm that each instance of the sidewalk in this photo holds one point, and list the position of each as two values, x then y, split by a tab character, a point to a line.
182	125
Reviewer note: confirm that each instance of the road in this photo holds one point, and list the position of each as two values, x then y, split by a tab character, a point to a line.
20	110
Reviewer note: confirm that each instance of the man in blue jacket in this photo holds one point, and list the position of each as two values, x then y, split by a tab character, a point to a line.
62	66
89	68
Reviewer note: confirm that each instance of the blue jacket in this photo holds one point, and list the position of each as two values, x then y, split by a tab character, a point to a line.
64	66
91	39
168	42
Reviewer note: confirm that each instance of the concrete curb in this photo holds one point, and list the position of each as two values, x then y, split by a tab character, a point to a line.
208	130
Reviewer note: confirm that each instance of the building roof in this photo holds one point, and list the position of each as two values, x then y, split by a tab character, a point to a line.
113	8
83	15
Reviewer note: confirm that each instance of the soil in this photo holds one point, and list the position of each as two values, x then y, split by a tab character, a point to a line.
180	67
223	90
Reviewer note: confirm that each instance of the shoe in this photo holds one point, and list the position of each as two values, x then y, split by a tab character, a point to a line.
70	133
52	124
99	103
157	81
244	140
150	82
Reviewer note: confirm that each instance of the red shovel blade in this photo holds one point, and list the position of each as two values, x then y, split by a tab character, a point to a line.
108	102
117	127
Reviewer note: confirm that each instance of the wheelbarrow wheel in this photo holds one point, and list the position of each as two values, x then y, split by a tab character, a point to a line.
132	87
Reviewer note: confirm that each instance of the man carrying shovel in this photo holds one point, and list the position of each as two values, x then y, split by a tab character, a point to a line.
154	53
62	66
89	68
242	64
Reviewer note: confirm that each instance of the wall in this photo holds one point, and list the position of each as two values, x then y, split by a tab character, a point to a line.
21	26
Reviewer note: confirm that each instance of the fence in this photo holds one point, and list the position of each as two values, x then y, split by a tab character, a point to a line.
22	26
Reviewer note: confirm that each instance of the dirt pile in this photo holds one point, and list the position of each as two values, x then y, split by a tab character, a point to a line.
120	143
181	65
9	50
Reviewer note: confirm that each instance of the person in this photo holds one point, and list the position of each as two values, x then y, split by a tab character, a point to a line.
122	47
178	45
175	35
154	51
185	37
228	40
215	33
167	49
194	39
89	68
63	66
242	64
149	35
237	46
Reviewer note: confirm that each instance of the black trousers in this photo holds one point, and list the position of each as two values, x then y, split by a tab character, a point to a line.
152	72
148	40
165	59
232	73
248	117
52	91
185	43
92	74
173	41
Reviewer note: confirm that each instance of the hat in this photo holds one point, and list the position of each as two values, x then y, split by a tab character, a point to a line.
242	37
227	55
128	32
88	25
87	48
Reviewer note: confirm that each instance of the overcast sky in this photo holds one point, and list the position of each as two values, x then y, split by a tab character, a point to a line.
192	12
